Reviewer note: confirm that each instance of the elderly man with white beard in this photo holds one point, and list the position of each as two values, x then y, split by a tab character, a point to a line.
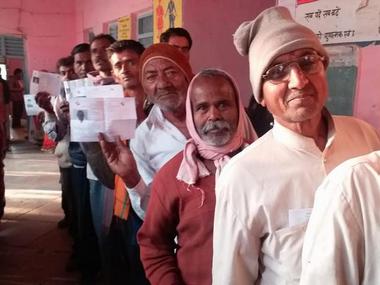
182	199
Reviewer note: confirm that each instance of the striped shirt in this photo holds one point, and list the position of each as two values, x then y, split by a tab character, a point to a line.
122	202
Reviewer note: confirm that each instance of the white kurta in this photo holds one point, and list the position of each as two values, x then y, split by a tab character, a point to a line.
156	141
342	238
265	195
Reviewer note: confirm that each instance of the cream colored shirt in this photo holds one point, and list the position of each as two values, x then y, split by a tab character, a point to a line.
156	141
341	243
265	195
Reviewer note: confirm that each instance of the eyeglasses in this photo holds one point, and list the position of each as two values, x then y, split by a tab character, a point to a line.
308	64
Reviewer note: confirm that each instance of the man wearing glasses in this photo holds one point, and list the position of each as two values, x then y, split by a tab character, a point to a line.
265	194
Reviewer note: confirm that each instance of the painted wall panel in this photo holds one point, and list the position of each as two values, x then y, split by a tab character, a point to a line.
211	24
367	103
46	25
94	13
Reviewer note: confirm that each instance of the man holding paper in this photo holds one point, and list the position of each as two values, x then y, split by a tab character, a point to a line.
102	73
165	74
124	57
88	251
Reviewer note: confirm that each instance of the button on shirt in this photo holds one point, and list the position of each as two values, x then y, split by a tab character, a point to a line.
265	195
156	141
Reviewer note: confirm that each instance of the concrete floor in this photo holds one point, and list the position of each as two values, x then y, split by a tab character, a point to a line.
32	249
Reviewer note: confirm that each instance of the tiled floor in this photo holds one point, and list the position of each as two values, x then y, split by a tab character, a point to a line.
32	249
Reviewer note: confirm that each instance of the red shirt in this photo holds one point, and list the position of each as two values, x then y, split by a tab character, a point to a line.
176	210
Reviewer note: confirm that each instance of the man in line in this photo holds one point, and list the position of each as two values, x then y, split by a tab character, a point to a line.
122	262
183	199
85	249
102	73
341	239
179	38
124	57
165	75
266	192
88	253
66	71
101	195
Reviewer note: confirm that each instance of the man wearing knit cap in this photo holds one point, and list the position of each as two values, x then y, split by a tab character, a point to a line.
183	198
165	74
266	192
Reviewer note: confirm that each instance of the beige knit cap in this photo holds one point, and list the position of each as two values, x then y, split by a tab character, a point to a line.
272	33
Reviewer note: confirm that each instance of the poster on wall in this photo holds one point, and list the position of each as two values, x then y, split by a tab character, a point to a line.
339	21
124	28
166	14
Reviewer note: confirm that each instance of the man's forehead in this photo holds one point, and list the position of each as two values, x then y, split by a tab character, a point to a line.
178	41
159	64
100	43
221	84
124	55
81	56
213	81
65	68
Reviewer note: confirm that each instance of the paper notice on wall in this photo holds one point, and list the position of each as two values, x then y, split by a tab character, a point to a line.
124	26
45	82
31	107
341	21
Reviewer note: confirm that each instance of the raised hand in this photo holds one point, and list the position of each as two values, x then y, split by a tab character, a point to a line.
120	159
64	111
43	100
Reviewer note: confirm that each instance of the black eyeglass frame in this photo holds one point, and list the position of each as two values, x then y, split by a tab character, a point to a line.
318	58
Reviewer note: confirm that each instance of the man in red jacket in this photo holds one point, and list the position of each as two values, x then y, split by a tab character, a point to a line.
176	236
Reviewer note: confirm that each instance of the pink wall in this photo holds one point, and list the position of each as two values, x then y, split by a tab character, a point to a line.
367	102
46	25
212	46
52	27
211	24
94	13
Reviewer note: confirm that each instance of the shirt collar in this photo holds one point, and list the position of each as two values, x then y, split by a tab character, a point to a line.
300	142
157	120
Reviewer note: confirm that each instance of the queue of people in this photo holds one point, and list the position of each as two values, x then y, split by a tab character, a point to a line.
197	197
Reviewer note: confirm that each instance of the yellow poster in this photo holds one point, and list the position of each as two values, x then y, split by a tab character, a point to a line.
166	14
124	28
